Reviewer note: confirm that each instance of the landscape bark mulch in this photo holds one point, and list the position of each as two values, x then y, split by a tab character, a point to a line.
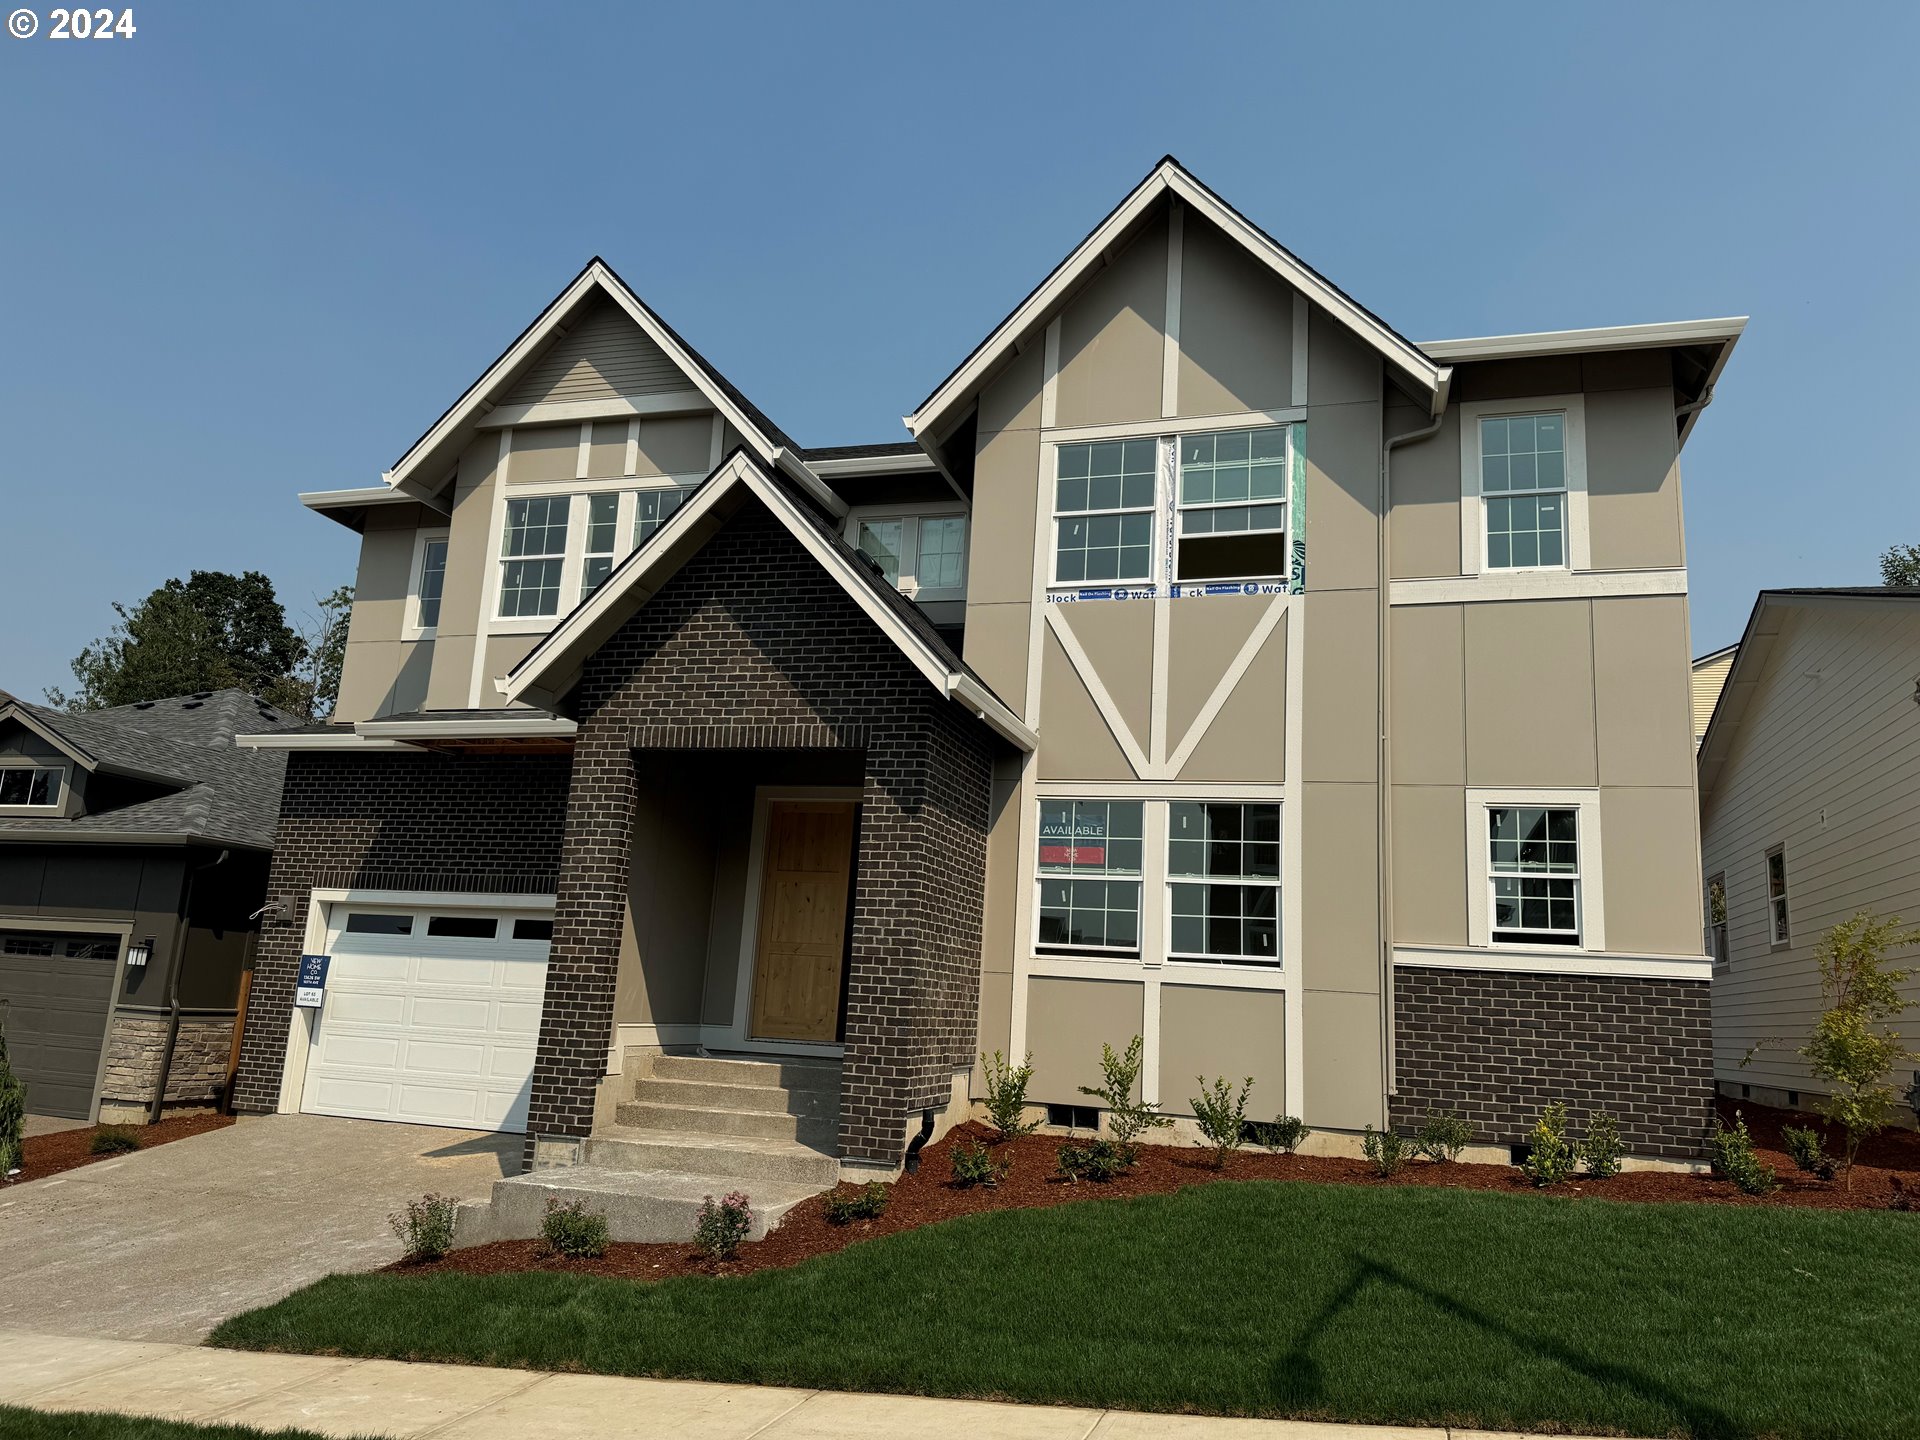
44	1155
1889	1167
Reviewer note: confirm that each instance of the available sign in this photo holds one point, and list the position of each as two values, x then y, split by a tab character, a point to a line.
310	986
1066	843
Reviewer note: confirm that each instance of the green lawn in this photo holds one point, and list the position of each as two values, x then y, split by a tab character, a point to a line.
21	1424
1421	1306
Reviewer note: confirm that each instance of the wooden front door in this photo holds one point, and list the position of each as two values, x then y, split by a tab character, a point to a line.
804	894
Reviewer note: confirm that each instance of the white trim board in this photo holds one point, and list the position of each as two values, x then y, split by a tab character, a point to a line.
1550	961
1591	898
1537	585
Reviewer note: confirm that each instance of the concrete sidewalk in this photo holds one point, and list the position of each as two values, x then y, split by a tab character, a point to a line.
461	1402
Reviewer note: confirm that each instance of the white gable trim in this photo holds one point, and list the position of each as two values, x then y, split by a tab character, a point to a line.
560	654
475	404
1170	178
12	710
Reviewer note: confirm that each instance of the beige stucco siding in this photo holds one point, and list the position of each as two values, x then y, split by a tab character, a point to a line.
999	932
1343	491
1825	761
1529	691
1116	637
670	879
1424	529
383	673
1652	879
1246	741
1641	695
1211	1032
1633	480
1112	337
1341	720
1076	743
1236	328
544	452
1429	864
602	355
1428	722
469	564
1067	1022
1000	535
607	449
676	445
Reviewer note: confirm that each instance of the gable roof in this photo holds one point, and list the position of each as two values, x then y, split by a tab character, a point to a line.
420	470
552	666
1755	649
216	792
1170	177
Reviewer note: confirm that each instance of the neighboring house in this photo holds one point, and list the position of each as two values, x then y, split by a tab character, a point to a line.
1086	713
133	852
1810	813
1709	676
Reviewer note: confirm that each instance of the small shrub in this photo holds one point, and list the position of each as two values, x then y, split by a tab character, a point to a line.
425	1227
572	1230
1734	1158
1099	1160
1443	1137
13	1110
869	1202
973	1164
1600	1147
1551	1155
113	1140
1386	1151
723	1224
1222	1115
1127	1119
1807	1152
1006	1099
1284	1133
1902	1199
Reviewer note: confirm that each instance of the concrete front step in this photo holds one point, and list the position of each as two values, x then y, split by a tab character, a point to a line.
738	1157
819	1131
644	1207
793	1074
718	1095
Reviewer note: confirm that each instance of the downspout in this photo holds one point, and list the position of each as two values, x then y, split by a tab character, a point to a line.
1383	692
173	986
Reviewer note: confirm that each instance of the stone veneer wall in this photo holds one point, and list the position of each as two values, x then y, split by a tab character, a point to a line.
753	646
481	825
136	1044
1499	1046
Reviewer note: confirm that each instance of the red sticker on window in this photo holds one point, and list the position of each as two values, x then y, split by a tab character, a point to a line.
1073	855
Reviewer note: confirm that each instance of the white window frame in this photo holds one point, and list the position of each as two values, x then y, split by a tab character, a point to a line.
56	788
1156	513
1719	947
1779	907
579	495
1181	507
1275	883
1590	908
1111	954
413	629
909	518
1473	501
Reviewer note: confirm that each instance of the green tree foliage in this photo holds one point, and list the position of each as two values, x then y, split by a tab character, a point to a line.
1853	1047
1900	566
213	631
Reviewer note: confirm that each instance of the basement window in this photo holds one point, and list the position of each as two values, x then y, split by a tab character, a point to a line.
1074	1117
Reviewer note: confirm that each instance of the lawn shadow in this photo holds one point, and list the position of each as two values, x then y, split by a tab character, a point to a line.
1299	1380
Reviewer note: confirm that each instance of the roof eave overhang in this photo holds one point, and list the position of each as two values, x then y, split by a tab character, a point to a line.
143	838
349	507
74	751
552	666
308	740
544	727
933	416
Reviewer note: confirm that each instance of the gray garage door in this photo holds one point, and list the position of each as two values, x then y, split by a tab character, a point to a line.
57	990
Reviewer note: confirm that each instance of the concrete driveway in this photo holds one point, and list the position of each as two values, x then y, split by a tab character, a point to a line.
165	1243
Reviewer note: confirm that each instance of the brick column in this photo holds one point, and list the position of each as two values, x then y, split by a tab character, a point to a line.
576	1020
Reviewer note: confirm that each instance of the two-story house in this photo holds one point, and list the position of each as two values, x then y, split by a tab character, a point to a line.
1213	664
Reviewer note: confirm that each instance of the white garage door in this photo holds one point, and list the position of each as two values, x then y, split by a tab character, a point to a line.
431	1016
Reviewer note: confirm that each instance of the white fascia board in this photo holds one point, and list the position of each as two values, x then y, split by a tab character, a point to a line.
1612	337
989	709
544	727
13	711
873	465
1169	177
345	740
325	500
797	469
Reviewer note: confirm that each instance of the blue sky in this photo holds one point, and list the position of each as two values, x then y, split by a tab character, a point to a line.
256	249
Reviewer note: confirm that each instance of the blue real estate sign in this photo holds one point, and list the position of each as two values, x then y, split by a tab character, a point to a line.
310	987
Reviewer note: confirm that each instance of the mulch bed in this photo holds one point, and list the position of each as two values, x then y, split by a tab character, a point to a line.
45	1155
1888	1164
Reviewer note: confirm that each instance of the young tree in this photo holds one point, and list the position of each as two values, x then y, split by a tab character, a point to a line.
207	632
313	687
1900	566
1853	1047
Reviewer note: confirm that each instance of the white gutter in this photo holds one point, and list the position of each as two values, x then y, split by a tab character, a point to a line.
546	726
345	740
990	710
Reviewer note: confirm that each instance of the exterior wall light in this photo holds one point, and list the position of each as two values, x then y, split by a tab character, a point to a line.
139	952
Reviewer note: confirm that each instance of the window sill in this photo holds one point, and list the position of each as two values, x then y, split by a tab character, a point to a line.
412	633
522	624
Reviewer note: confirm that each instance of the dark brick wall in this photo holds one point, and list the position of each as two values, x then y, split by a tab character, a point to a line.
395	821
753	640
1498	1047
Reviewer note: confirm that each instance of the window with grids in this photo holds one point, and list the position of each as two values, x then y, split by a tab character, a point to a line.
1223	875
942	559
1534	873
30	785
603	538
1090	854
1778	926
1233	505
652	509
881	540
433	580
924	556
1717	919
1103	502
534	555
1523	482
